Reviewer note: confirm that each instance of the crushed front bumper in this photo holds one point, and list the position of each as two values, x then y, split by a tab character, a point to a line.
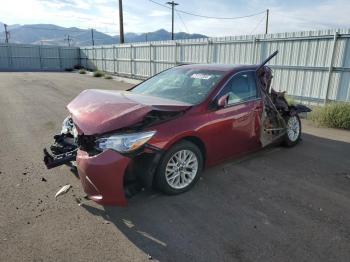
102	176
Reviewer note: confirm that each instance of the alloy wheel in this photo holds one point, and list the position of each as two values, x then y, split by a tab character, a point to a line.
181	169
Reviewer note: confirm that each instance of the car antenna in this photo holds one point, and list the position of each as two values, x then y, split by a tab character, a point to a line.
267	60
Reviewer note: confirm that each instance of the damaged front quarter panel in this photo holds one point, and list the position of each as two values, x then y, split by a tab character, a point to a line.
107	176
101	111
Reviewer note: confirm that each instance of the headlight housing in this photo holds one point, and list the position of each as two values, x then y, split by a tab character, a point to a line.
124	143
68	127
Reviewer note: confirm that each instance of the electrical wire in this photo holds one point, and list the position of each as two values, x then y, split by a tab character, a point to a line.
182	21
259	23
209	17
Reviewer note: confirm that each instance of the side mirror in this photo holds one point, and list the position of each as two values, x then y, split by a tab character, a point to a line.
222	101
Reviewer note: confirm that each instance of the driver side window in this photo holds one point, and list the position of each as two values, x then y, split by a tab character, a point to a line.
241	87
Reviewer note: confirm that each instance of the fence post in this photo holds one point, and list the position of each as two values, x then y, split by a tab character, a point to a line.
86	58
94	58
131	60
105	58
330	68
117	59
208	51
150	60
254	50
113	59
60	58
79	57
9	55
40	61
175	53
102	59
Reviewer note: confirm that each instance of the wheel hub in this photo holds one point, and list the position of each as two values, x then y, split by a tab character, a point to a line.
293	128
181	169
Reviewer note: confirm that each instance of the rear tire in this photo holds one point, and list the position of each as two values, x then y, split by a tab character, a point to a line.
179	169
293	126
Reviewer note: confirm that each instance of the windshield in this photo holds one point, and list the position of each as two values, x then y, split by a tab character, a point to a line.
181	84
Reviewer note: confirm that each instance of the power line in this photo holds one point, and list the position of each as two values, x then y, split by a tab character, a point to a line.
210	17
68	39
259	23
267	21
92	37
173	4
182	21
121	23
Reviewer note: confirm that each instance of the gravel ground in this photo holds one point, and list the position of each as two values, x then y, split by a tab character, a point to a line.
275	205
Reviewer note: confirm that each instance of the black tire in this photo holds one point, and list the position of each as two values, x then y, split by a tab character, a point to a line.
287	141
160	177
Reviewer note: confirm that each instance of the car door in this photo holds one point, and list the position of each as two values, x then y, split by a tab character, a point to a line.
234	129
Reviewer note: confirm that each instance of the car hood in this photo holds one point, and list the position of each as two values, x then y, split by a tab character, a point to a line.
100	111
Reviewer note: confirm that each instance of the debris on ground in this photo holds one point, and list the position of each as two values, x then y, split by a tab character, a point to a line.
81	201
43	179
149	257
63	190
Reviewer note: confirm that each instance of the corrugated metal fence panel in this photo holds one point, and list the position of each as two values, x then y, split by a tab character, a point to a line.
70	56
17	57
309	65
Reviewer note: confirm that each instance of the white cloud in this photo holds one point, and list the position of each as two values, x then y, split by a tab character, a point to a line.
144	16
159	13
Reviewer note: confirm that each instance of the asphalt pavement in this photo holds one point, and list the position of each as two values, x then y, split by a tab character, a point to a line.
277	204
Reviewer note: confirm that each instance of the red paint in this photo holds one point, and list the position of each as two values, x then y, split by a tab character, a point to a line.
224	132
101	111
102	176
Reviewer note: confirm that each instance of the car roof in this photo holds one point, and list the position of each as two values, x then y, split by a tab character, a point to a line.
221	67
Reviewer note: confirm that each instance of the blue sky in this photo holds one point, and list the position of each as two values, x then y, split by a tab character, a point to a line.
144	16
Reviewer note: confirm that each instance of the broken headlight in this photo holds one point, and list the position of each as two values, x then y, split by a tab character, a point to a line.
68	127
124	143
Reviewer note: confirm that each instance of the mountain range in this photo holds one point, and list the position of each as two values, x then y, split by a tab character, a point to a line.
49	34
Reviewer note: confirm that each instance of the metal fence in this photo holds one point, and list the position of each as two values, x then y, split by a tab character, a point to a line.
17	57
311	66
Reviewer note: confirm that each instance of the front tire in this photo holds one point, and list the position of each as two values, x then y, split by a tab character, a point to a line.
293	126
179	169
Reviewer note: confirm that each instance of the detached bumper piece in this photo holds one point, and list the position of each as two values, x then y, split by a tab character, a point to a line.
52	160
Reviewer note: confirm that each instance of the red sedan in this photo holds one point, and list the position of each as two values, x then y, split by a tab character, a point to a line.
166	130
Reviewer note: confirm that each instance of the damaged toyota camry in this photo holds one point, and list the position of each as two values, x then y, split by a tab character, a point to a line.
166	130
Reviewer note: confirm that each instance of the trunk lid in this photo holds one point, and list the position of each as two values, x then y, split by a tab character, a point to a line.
100	111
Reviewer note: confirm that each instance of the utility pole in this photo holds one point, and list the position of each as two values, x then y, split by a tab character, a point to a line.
68	39
173	4
267	21
7	34
121	24
92	37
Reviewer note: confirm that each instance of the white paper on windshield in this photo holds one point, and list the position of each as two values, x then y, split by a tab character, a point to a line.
201	76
